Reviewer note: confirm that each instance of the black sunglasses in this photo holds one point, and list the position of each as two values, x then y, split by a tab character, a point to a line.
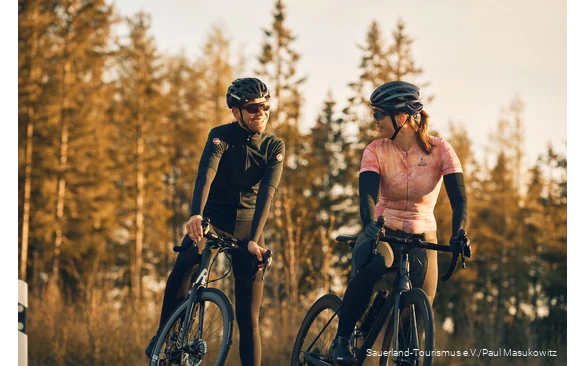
379	114
254	108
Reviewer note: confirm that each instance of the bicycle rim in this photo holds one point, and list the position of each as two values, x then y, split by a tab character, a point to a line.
415	332
317	331
209	336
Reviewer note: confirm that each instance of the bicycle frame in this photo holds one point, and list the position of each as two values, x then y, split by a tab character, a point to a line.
212	242
401	284
199	294
402	243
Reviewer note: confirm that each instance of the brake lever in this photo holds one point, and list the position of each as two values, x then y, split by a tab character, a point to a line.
204	225
267	254
464	249
462	259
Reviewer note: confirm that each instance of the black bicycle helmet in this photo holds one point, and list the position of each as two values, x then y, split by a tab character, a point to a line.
245	89
397	96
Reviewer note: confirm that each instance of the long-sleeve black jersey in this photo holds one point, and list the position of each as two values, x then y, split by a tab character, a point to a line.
238	175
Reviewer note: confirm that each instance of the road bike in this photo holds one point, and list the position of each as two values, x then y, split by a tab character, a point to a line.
407	310
199	332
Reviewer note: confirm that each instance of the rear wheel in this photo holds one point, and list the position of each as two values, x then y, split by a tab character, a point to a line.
415	332
209	336
317	331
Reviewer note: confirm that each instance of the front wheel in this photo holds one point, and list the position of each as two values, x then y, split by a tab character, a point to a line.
317	331
209	334
416	329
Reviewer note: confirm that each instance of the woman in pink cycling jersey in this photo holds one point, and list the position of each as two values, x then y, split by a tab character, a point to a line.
405	169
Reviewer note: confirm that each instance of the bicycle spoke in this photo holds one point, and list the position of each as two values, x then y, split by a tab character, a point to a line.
414	339
317	331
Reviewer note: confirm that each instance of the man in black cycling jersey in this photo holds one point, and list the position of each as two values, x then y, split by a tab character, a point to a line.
239	172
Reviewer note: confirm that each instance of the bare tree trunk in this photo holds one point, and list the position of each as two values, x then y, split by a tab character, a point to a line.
26	203
33	77
293	239
327	253
295	268
137	278
289	259
278	248
62	168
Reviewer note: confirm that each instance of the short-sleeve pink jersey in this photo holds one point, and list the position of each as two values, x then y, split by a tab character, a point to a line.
410	182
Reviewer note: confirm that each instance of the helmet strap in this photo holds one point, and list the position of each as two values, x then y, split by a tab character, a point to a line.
243	123
396	128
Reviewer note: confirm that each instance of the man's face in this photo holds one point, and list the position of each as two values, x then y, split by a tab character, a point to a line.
255	114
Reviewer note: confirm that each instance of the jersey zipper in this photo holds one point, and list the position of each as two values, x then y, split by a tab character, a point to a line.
247	152
247	164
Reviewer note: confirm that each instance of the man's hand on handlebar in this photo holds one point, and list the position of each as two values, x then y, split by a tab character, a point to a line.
258	251
195	228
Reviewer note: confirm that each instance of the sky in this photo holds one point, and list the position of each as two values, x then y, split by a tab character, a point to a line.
477	55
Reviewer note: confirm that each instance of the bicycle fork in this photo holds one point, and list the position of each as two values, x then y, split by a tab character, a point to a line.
403	286
199	283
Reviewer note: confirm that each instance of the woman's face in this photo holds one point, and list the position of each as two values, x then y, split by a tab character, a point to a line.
385	126
255	114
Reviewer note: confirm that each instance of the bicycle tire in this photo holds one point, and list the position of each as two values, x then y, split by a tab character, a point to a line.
417	298
315	320
219	342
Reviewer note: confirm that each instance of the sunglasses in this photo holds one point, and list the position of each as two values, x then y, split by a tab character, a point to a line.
254	108
379	114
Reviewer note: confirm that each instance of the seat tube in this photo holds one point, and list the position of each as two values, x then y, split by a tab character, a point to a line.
403	270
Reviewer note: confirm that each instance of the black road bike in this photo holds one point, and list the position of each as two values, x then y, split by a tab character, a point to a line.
409	335
199	332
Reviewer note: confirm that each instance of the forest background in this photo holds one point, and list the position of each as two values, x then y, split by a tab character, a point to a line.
110	131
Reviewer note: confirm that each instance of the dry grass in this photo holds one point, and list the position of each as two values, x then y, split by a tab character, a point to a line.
104	327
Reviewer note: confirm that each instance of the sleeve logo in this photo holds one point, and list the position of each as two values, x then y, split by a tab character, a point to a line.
216	141
279	157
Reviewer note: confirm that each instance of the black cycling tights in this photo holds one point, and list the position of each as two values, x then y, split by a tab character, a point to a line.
423	272
357	295
248	290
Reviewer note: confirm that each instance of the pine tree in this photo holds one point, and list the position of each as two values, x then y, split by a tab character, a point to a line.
278	63
328	195
34	18
141	150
